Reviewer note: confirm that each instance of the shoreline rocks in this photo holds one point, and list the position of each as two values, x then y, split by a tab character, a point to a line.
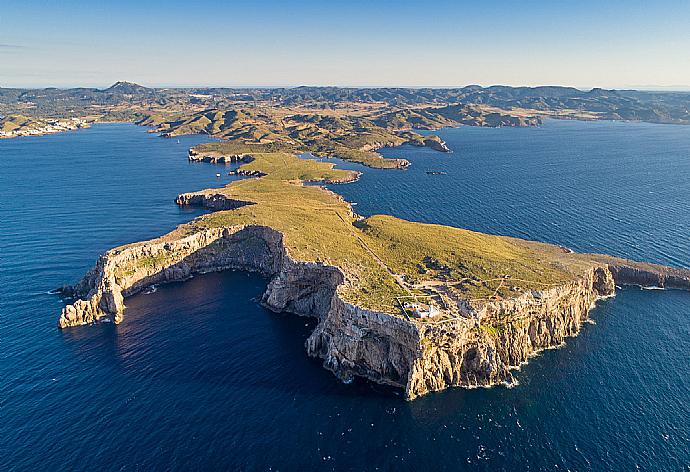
210	200
217	158
480	348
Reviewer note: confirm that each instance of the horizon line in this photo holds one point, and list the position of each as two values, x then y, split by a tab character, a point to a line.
642	88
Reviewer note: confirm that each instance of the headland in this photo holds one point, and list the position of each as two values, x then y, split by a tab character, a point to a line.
416	306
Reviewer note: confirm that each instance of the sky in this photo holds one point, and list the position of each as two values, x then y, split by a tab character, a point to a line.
610	44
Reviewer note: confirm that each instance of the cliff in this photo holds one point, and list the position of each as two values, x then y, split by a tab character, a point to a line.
124	271
477	347
210	200
214	157
491	301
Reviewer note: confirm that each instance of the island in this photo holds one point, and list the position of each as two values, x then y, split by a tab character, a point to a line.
418	307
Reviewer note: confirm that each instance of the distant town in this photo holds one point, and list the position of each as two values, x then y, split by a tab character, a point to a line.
17	126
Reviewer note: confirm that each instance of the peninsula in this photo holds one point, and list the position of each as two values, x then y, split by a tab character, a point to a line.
415	306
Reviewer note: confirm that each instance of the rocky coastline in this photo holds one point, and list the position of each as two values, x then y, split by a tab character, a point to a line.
212	157
479	342
479	348
210	200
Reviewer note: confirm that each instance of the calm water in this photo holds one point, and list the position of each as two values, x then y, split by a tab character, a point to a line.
199	376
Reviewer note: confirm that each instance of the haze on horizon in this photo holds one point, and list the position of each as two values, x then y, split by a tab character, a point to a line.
615	44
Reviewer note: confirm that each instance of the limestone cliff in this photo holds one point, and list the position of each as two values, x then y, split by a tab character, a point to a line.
478	348
127	270
213	157
210	200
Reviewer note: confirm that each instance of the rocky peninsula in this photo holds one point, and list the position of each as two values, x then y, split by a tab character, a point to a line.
415	306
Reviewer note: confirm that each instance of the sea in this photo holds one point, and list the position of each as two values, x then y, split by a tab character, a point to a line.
200	377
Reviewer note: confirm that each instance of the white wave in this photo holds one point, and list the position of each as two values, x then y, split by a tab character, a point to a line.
512	384
151	289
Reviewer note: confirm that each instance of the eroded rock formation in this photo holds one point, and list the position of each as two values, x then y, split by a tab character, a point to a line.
210	200
217	158
477	349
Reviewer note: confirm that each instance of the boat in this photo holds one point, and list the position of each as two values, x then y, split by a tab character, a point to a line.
436	172
217	175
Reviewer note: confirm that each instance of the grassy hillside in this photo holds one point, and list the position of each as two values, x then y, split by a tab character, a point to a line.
352	138
384	257
128	101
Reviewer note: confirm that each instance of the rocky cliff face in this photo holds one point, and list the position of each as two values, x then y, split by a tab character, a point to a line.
357	342
216	157
125	271
478	348
650	275
210	200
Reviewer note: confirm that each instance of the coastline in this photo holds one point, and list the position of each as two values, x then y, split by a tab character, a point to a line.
415	356
478	348
20	126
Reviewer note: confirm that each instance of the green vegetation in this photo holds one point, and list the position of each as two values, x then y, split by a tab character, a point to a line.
15	122
473	263
383	257
317	226
389	108
491	330
284	166
248	131
159	260
232	148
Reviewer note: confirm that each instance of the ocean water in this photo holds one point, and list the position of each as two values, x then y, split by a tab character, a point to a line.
201	377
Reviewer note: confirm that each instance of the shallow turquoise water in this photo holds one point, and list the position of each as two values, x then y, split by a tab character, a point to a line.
199	376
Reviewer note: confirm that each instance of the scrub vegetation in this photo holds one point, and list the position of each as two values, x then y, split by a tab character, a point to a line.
383	257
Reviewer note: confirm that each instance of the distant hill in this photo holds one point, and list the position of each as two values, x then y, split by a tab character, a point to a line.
129	88
405	107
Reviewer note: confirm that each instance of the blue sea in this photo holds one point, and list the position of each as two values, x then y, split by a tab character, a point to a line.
200	377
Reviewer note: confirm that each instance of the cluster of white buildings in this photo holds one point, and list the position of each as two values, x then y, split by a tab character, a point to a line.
41	127
421	310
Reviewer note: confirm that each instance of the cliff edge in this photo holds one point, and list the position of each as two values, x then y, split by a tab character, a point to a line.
416	306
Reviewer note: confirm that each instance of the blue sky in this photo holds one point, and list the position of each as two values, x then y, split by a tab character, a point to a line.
358	43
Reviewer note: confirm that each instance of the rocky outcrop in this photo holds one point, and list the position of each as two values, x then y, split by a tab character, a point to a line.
214	157
125	271
374	345
650	275
246	173
376	145
210	200
352	176
478	348
436	143
500	120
